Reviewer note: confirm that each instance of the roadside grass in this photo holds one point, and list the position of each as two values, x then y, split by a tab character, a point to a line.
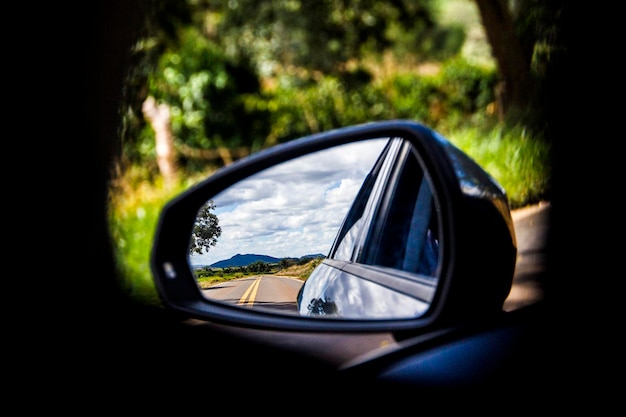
208	281
134	208
218	275
519	162
301	271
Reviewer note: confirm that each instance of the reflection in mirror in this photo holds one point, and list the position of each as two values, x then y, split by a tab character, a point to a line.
256	243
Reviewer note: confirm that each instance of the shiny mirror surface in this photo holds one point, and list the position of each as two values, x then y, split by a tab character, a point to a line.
255	244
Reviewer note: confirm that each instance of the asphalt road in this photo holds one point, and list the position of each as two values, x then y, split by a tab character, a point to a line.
531	228
276	293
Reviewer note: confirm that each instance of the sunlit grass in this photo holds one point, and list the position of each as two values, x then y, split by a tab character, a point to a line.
134	210
520	163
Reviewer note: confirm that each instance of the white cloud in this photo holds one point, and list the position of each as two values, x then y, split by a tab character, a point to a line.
292	209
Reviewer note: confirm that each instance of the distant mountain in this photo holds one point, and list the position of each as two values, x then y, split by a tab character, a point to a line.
319	255
247	259
244	260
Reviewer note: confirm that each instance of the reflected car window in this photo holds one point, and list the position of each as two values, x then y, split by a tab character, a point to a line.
397	223
351	238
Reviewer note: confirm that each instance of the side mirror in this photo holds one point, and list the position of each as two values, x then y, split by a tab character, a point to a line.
399	228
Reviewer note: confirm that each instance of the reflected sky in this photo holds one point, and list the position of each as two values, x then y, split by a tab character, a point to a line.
292	209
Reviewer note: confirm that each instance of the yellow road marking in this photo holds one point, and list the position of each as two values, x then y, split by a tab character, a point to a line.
249	296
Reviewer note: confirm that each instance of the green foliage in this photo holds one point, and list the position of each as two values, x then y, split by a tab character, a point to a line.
134	208
323	105
304	103
320	35
206	229
211	63
208	94
259	267
205	271
207	277
468	88
451	97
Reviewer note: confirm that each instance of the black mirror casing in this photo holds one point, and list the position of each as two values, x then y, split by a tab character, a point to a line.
478	258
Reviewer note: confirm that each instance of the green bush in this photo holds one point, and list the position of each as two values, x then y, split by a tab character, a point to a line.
452	97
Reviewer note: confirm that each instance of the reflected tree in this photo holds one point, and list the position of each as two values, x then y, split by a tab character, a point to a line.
206	229
322	307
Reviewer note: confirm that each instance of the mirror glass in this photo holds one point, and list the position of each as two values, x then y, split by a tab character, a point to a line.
258	242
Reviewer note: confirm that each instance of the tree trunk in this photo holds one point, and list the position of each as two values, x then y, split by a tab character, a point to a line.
159	118
513	62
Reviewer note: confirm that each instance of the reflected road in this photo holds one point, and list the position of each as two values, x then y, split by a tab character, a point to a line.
273	292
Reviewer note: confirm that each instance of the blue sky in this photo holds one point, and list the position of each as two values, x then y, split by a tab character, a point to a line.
292	209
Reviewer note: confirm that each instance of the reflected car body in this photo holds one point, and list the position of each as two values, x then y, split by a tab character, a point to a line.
388	232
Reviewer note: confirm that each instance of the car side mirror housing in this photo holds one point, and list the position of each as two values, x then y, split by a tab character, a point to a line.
401	229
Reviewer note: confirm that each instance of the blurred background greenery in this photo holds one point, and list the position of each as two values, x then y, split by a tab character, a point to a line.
215	80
